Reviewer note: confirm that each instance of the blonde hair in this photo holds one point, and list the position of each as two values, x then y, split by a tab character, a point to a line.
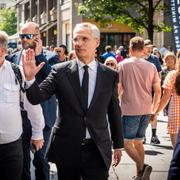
3	39
169	54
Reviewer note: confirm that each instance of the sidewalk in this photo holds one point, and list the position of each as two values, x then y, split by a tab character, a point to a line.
158	157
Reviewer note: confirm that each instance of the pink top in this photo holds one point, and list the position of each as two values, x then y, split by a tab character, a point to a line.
119	58
137	77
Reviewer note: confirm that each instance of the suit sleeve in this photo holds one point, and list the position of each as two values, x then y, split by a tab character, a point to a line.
114	117
39	93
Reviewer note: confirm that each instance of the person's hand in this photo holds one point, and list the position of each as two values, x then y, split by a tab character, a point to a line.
153	116
38	46
37	143
116	157
29	64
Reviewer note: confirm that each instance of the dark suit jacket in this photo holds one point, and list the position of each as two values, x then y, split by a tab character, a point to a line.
174	169
49	107
67	136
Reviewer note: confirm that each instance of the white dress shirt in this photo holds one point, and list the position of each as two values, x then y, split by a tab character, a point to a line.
92	70
10	114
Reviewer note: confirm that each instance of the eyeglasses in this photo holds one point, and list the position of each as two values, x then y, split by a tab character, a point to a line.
27	36
110	64
58	51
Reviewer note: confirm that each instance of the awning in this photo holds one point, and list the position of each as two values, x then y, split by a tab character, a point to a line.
48	26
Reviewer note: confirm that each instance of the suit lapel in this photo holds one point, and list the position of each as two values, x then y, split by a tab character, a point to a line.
98	86
73	75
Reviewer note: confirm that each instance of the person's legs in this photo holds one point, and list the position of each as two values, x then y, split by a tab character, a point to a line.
42	168
134	153
11	160
68	172
154	138
92	164
26	137
134	128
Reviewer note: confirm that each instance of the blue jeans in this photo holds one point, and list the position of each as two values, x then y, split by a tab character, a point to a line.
134	127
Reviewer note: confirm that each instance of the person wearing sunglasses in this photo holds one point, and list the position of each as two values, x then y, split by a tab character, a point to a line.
30	39
111	62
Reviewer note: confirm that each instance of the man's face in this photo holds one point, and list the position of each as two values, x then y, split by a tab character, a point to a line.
28	36
85	44
147	51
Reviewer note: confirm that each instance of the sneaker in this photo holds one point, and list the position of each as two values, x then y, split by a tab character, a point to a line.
155	140
146	171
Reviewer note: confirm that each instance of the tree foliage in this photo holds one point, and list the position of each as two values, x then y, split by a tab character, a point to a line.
8	21
138	14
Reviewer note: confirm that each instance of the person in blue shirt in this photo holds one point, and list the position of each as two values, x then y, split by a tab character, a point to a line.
108	53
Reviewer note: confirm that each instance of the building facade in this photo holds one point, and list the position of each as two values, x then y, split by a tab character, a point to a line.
57	19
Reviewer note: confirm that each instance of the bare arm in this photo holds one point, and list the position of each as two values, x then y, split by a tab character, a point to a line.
157	95
164	100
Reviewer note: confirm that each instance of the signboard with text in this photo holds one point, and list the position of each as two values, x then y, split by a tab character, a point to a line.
175	19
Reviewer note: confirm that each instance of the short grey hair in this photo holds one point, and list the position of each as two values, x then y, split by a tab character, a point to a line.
95	31
3	39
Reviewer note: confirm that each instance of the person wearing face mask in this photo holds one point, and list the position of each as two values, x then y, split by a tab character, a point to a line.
148	49
30	39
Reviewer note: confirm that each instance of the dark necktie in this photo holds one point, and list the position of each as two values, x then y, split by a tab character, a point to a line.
85	84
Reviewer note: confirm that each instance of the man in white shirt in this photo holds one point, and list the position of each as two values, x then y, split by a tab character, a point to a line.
11	154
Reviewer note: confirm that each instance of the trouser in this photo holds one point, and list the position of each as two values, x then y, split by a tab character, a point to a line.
11	160
42	168
91	167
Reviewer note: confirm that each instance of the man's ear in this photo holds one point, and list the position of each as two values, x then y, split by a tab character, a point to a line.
97	42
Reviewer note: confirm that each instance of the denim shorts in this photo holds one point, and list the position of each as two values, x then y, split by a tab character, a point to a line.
134	127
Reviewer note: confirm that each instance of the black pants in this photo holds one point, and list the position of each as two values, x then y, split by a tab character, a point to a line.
42	168
91	167
11	160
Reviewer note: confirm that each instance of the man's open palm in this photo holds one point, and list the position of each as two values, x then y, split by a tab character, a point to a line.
29	64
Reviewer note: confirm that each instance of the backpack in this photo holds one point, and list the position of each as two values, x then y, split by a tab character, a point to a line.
18	76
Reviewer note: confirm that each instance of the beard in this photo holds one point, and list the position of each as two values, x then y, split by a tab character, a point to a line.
26	45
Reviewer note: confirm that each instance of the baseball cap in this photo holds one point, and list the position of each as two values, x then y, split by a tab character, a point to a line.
148	43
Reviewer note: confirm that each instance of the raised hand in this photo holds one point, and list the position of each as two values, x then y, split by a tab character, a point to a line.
29	64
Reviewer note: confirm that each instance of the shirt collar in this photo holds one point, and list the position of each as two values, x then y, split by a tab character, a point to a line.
92	65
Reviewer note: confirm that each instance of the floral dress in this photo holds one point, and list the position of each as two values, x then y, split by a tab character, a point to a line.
174	106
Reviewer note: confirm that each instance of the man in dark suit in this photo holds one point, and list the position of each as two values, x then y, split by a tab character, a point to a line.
30	38
174	169
88	104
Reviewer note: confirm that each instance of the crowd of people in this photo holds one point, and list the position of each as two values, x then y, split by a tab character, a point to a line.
73	108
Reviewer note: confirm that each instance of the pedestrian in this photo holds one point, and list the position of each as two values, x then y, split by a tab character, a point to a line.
11	151
154	60
111	62
136	79
87	94
30	38
174	106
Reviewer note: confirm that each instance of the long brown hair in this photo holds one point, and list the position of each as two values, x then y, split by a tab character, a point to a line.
177	82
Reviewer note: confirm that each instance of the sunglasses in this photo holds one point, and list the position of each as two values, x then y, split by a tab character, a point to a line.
110	64
27	36
58	51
